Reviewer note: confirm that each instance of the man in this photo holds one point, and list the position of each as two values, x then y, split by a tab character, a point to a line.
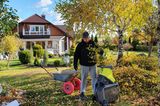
86	54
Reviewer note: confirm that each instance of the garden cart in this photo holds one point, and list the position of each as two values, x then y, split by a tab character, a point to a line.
69	79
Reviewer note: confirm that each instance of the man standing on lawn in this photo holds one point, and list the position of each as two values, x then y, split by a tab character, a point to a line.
86	54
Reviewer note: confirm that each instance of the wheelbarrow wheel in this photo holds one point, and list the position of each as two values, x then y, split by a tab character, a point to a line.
68	87
77	83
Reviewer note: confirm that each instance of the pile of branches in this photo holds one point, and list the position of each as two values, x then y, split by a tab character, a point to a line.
9	94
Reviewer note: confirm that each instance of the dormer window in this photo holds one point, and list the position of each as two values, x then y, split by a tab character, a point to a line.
36	28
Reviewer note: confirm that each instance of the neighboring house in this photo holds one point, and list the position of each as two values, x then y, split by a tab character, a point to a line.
37	30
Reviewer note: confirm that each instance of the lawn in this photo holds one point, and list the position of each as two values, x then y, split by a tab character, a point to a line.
41	89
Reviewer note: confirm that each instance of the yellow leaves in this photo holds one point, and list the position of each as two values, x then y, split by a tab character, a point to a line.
11	44
97	16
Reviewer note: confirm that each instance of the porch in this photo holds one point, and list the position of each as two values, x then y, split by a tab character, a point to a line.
54	45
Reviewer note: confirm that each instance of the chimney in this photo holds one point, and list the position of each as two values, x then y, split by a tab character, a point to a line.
43	16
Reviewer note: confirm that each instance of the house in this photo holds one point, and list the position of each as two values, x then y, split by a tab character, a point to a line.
37	30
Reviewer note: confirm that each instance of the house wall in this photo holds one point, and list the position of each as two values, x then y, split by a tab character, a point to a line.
54	32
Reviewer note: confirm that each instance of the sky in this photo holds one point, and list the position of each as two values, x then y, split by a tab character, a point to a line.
27	8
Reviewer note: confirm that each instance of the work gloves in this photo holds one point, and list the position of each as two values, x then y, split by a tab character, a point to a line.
76	68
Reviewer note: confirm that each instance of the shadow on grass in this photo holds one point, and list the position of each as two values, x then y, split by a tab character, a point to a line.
41	90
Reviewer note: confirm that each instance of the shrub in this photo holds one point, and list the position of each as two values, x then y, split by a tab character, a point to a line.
134	43
96	39
57	63
38	51
71	51
37	62
106	42
135	81
25	56
145	48
50	55
45	59
127	46
110	58
112	47
142	48
147	63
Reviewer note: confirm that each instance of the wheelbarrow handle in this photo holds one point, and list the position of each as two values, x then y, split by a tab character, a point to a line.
47	71
75	75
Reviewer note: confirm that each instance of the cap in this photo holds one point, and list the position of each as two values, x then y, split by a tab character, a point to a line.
85	34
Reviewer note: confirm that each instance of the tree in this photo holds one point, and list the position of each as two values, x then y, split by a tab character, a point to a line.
127	46
158	31
96	39
107	42
106	16
92	38
8	18
10	45
150	31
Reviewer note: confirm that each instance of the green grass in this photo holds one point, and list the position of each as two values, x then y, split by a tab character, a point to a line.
42	90
51	60
14	64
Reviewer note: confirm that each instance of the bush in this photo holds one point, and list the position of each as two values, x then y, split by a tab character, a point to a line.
147	63
112	47
37	62
145	48
38	51
45	59
142	48
71	51
136	81
127	46
25	56
57	63
50	55
134	43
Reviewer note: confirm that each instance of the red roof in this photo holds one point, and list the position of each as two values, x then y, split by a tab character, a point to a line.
35	19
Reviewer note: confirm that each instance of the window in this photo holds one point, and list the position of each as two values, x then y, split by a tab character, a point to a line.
32	28
49	44
55	45
37	28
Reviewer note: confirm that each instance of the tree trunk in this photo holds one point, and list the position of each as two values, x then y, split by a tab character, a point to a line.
129	40
8	61
150	49
158	31
120	47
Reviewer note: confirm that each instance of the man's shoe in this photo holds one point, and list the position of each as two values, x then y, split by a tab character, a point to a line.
82	96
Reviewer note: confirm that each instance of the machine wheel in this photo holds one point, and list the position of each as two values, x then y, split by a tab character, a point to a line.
68	87
77	83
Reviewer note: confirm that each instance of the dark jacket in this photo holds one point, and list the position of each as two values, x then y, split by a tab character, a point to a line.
85	53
